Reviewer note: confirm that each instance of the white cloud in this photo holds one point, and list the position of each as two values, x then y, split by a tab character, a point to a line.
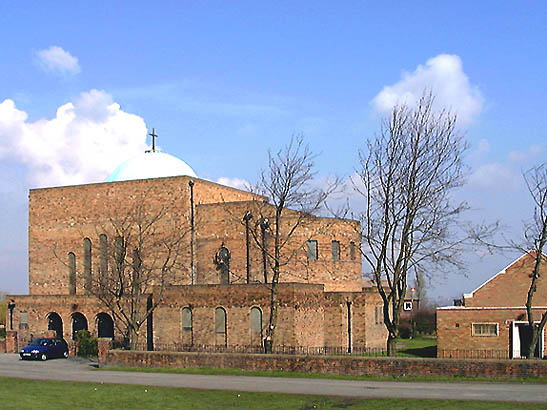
495	176
444	76
519	156
234	183
85	141
483	146
57	60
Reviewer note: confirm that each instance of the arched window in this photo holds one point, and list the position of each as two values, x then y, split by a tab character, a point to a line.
54	322
87	264
103	244
220	320
187	319
256	322
105	325
220	327
79	322
71	273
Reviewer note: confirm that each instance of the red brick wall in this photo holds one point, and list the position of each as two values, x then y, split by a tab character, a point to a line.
510	287
454	329
358	366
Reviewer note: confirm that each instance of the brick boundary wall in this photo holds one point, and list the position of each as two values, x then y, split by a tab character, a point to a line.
357	366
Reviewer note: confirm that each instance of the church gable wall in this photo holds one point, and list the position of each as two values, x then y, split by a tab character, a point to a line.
218	223
60	218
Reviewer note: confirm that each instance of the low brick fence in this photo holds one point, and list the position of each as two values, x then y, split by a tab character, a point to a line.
358	366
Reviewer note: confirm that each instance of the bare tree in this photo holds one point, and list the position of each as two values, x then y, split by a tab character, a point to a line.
287	183
535	238
535	233
407	175
141	251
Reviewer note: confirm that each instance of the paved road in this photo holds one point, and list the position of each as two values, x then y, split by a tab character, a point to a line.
82	370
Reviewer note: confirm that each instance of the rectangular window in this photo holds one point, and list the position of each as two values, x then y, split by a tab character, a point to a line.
312	250
352	250
335	249
484	329
379	314
23	320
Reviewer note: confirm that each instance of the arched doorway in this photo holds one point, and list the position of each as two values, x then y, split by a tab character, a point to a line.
54	322
79	322
105	325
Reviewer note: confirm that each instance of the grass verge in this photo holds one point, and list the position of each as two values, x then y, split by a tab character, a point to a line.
32	394
289	374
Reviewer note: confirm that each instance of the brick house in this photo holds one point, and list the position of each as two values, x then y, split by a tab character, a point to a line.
492	321
322	300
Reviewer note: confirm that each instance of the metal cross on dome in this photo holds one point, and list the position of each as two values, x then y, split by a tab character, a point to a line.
154	136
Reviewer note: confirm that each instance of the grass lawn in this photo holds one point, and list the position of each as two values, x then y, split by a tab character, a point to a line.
34	394
417	347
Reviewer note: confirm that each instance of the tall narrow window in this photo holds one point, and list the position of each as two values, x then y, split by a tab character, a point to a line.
187	319
220	320
256	321
312	250
87	264
71	273
379	314
103	244
352	250
335	249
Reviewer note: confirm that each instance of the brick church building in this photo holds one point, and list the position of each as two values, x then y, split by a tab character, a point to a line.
323	301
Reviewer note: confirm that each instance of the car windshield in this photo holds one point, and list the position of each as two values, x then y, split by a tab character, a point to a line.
41	342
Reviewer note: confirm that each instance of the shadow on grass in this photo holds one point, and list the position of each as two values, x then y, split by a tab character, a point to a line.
427	351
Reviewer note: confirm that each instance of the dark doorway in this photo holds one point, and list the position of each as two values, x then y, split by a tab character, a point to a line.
525	336
54	322
79	322
105	325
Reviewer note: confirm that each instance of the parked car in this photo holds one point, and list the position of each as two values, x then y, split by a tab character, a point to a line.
45	348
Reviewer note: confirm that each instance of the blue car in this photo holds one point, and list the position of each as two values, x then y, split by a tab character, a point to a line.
45	348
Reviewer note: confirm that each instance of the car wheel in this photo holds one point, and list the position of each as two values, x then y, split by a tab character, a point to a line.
65	354
43	357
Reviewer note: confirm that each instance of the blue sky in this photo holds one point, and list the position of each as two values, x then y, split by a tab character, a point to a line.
222	82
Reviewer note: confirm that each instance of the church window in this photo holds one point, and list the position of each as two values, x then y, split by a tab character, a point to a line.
187	319
71	273
256	321
352	250
103	244
24	319
335	250
379	314
87	263
220	321
312	250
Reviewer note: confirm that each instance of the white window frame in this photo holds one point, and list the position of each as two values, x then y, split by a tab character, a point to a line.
497	333
407	306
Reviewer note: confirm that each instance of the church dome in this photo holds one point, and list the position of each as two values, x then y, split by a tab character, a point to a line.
151	164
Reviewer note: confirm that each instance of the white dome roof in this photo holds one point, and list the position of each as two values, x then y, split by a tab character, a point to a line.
151	164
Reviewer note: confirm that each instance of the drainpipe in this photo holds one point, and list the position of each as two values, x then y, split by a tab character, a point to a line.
192	233
348	304
247	217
